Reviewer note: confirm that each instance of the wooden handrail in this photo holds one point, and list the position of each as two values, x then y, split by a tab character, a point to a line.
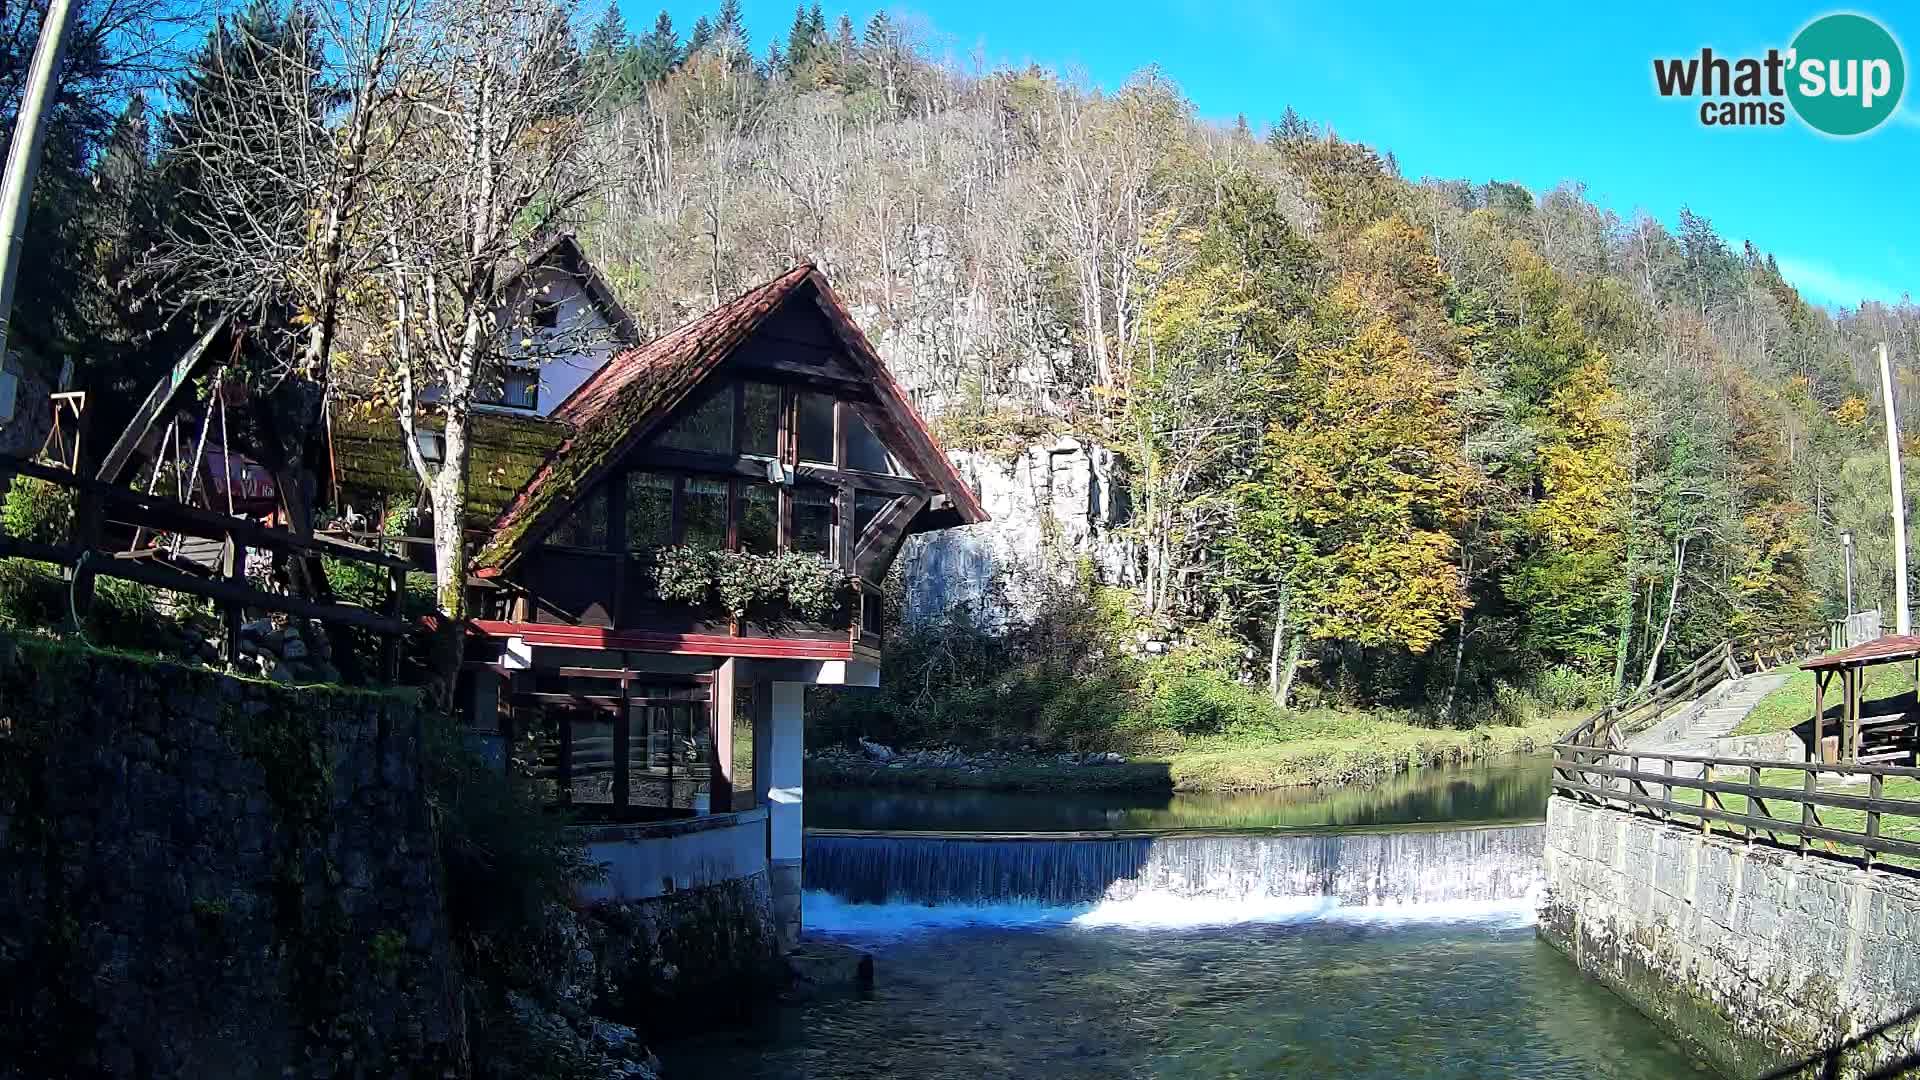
85	559
1630	787
159	512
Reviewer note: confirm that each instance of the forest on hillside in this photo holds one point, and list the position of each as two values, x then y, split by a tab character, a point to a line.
1388	441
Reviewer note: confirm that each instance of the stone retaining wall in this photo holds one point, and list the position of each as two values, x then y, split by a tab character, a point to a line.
212	877
1756	956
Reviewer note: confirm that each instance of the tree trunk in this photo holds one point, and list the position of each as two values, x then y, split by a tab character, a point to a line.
1625	642
1273	653
449	495
1288	668
1666	625
1459	660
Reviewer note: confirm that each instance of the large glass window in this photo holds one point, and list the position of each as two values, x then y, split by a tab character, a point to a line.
864	451
705	511
760	423
813	520
517	387
867	506
585	525
649	510
708	428
759	518
816	428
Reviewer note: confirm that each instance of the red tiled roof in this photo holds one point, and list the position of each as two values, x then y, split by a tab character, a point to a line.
620	403
1882	650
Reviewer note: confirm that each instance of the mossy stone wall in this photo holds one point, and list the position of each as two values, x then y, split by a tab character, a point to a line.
207	876
1758	958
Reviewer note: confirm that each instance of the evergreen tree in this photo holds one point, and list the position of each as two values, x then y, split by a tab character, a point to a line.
701	37
800	40
659	51
843	35
608	39
730	23
880	33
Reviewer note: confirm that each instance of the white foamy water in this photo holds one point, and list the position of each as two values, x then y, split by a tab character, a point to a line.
829	914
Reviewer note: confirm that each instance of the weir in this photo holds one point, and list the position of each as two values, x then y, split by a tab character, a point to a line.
1367	868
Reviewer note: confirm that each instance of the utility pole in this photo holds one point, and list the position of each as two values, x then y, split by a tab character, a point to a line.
1846	552
23	156
1903	619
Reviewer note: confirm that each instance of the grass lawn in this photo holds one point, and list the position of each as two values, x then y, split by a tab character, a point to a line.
1892	826
1315	747
1793	702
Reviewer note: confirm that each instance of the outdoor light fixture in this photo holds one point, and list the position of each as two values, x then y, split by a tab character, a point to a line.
779	472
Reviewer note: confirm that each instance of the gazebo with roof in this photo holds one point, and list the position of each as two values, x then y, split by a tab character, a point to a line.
1882	730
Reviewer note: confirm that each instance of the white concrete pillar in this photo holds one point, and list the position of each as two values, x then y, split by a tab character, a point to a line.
779	737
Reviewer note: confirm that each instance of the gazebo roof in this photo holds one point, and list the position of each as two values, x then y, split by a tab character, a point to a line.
1883	650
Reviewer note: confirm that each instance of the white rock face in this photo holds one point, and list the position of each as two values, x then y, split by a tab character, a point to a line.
1052	508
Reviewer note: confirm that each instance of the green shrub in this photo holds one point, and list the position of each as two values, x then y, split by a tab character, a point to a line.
1208	703
37	510
507	859
1565	688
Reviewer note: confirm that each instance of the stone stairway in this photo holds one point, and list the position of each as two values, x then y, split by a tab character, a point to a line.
1694	729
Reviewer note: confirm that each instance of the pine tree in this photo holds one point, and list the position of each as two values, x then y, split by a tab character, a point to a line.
659	51
609	36
729	21
843	35
879	35
1292	126
702	36
800	40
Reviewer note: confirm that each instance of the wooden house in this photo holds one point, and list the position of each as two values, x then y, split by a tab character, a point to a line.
708	535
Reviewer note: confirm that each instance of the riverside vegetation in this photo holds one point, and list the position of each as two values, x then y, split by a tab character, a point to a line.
1415	465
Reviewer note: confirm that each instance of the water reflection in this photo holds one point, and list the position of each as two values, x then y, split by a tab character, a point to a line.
1515	791
1291	1001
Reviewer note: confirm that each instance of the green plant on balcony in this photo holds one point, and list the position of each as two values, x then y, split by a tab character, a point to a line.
806	585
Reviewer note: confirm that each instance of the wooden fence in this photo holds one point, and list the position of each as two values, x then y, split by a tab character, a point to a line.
1781	803
1788	804
1645	708
99	504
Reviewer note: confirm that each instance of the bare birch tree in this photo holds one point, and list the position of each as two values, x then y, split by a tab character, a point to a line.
497	152
276	159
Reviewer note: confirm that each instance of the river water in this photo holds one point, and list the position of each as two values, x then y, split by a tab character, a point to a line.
1510	791
1369	952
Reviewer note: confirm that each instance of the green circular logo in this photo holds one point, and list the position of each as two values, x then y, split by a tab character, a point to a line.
1846	74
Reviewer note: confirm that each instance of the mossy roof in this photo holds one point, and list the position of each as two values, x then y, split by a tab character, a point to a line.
370	460
621	403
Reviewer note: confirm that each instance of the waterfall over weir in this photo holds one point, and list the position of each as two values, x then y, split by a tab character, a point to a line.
1497	865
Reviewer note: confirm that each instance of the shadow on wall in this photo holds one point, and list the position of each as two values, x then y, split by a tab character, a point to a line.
1828	1064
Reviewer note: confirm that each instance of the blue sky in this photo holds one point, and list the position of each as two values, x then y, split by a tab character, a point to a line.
1510	92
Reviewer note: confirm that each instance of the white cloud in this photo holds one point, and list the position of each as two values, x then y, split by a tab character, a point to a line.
1823	284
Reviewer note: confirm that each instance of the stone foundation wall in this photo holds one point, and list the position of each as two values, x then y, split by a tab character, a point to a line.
211	877
682	960
1756	956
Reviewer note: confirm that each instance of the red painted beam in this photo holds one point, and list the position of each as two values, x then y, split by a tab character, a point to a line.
599	637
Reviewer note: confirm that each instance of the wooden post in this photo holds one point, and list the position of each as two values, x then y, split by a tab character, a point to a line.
1753	800
233	567
622	732
565	720
1706	777
396	609
1809	788
1666	792
1873	819
720	769
1820	679
86	536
